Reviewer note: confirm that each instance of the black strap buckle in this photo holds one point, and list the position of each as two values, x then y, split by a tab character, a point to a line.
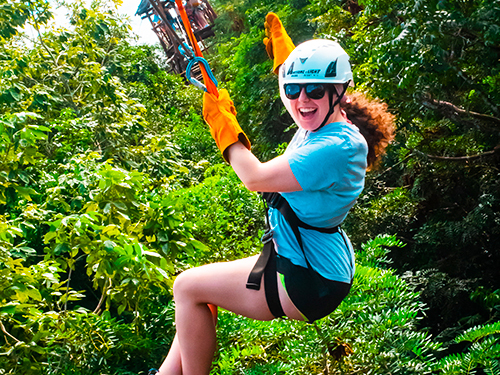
267	236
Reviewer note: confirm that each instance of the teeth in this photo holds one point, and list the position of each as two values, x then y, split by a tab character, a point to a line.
307	110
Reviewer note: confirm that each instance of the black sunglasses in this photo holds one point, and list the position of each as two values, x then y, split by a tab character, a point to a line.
313	90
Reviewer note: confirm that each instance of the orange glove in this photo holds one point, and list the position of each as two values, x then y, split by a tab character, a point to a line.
278	43
220	115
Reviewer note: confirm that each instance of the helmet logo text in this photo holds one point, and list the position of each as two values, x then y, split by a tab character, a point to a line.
305	72
291	72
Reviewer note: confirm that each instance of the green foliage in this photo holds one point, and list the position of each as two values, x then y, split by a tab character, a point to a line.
483	352
373	215
15	14
488	299
110	184
18	147
477	333
103	230
448	300
174	111
195	143
74	342
374	251
41	334
89	240
129	237
227	216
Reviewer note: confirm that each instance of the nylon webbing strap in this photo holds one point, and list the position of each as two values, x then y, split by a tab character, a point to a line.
211	87
266	265
255	277
277	201
271	285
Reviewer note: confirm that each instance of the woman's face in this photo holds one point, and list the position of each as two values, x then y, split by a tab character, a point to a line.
308	113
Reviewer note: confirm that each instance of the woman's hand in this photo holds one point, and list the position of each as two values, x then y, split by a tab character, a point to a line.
220	115
278	43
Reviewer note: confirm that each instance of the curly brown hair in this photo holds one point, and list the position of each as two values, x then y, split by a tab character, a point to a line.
375	123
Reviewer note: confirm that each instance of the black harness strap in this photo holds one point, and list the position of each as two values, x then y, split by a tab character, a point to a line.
271	285
266	263
255	276
277	201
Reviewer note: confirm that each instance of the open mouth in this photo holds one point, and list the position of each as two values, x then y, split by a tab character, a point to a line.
307	112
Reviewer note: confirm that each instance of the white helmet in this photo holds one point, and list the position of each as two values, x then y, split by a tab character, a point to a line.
318	61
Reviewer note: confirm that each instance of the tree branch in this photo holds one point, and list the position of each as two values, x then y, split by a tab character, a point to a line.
37	28
461	158
2	327
103	296
452	111
353	7
391	167
67	290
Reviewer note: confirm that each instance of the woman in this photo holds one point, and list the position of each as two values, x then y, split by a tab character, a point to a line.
320	176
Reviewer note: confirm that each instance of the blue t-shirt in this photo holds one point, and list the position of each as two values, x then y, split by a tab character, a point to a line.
330	166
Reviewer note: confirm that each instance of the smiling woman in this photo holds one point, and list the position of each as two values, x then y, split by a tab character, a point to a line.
307	264
319	66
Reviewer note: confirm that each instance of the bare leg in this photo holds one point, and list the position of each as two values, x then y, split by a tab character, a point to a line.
173	364
196	335
220	284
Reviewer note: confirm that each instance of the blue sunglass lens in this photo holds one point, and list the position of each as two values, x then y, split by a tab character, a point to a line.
313	90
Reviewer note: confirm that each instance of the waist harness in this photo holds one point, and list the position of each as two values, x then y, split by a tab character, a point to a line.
266	263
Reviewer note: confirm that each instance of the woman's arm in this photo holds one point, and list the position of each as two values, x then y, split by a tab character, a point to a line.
274	175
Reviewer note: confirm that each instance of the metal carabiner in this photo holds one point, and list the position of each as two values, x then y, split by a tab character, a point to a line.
193	80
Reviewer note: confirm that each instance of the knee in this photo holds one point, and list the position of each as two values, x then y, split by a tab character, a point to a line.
184	285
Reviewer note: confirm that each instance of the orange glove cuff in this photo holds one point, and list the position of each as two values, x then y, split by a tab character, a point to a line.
278	44
220	115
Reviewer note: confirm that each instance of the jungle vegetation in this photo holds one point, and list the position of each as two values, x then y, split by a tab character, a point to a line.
110	185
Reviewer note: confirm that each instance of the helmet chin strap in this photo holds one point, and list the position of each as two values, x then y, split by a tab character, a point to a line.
332	107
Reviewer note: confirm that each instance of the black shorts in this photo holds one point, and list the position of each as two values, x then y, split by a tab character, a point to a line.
312	294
